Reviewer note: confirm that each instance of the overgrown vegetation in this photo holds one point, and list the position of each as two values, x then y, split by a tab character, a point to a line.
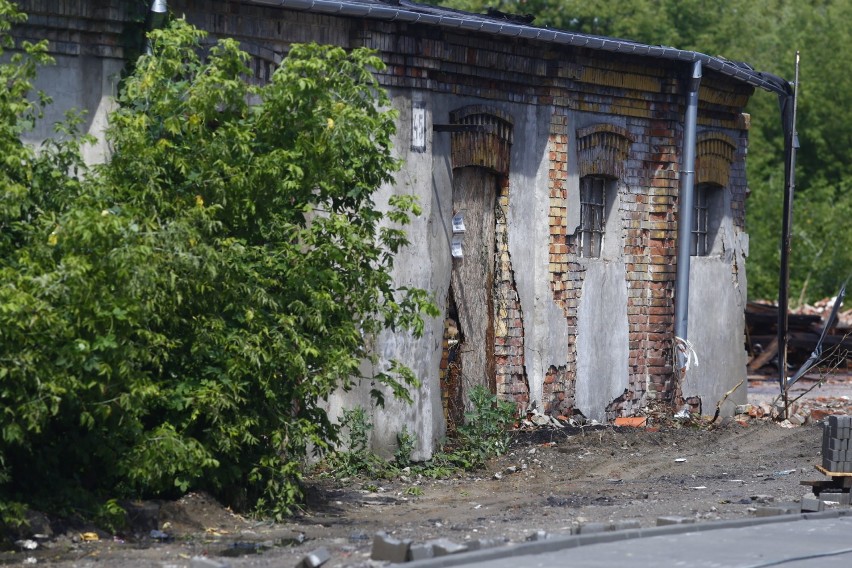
171	319
485	434
766	34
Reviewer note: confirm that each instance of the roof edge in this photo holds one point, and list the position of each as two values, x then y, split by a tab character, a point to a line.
480	23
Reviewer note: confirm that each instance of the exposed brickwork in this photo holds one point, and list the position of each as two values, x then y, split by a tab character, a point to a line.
603	150
566	275
487	147
714	154
558	391
509	320
642	151
650	257
616	408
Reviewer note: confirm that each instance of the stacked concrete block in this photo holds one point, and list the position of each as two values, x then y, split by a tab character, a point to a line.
836	450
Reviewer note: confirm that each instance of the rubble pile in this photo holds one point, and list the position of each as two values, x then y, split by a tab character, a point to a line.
805	325
805	411
822	308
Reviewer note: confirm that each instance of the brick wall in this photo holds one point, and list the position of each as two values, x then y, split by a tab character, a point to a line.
644	97
509	320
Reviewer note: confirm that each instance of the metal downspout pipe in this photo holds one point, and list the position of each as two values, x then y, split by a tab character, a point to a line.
686	214
156	18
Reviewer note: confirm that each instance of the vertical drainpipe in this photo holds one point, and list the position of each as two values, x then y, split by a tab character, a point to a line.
156	18
686	213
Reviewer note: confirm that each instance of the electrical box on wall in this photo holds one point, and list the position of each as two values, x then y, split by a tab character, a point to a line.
458	235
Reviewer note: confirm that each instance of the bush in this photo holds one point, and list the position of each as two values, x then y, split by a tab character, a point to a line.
172	319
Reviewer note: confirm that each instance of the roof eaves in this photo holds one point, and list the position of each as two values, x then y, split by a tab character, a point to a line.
430	15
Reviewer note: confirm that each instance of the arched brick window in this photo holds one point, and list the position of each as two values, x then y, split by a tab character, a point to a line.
714	153
602	151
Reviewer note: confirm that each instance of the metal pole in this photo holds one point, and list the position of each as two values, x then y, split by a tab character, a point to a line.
686	214
791	143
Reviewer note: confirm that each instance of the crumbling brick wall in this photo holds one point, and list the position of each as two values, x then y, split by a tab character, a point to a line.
638	99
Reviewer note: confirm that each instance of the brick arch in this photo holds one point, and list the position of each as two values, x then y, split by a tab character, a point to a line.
487	144
602	149
714	155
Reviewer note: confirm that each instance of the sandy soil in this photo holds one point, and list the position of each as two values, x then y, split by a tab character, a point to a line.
552	480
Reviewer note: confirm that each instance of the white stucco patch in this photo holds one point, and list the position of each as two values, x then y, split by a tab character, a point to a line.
602	338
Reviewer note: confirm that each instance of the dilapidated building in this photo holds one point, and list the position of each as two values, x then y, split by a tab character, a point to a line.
550	167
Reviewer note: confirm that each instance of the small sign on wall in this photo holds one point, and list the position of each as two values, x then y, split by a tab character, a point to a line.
458	223
458	235
456	248
418	126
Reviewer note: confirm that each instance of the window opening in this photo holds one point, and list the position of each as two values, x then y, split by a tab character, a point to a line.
700	222
592	210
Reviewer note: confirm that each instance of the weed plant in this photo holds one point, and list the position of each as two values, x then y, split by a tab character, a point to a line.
486	434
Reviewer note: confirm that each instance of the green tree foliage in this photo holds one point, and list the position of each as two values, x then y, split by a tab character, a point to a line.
173	318
766	34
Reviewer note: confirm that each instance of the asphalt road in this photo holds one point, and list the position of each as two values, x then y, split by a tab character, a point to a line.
808	541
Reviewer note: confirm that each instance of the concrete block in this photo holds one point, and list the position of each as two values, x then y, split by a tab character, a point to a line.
316	558
838	456
674	520
592	528
483	543
775	510
204	562
832	423
445	547
812	504
842	498
420	552
796	419
537	536
389	549
626	524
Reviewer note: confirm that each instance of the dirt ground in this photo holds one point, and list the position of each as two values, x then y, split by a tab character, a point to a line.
551	480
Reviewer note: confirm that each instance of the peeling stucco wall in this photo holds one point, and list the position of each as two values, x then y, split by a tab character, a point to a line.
592	335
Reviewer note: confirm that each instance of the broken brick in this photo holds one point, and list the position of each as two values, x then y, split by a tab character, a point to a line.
632	421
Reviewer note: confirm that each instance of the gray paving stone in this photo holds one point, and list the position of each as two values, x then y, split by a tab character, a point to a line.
204	562
483	543
626	524
389	548
674	520
420	551
775	510
445	547
592	528
812	504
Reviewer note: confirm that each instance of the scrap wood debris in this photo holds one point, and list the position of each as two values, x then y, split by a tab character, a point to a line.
805	324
